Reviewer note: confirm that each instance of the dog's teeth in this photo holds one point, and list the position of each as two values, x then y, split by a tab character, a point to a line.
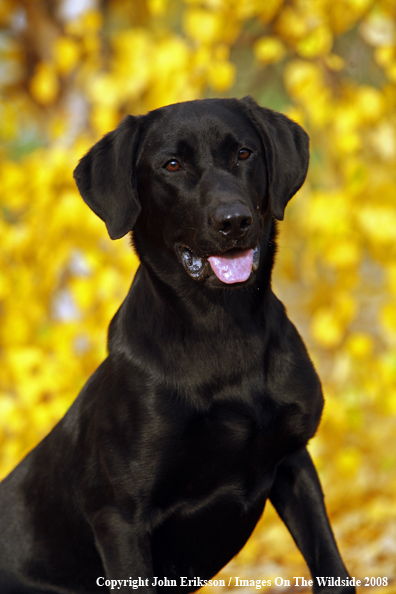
188	257
196	264
256	257
193	264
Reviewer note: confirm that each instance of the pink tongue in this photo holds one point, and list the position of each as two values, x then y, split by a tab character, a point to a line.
232	267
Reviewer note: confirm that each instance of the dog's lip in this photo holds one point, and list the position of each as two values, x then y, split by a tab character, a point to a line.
199	268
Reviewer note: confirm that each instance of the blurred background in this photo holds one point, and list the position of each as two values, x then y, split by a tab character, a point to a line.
69	71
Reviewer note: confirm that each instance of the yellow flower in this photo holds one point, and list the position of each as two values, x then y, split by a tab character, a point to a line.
349	461
269	49
104	118
378	223
326	329
360	345
388	319
157	7
204	26
334	62
328	324
269	9
317	43
292	25
221	75
369	103
66	54
303	79
343	254
44	85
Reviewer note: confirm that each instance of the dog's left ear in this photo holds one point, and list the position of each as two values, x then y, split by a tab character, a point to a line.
286	147
105	178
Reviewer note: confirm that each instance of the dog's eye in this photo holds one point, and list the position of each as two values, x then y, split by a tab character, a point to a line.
172	165
244	154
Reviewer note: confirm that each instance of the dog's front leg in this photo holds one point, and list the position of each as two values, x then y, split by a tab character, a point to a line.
298	498
125	552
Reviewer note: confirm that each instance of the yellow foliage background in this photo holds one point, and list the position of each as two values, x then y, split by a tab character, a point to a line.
68	72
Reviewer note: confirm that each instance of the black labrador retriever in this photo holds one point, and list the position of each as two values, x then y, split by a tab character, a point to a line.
202	410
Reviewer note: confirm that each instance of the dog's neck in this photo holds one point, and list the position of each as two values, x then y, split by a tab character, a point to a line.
176	298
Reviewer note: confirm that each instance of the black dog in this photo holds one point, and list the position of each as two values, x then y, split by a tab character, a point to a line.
207	399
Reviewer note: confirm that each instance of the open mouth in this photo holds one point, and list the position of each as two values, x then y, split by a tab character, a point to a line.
232	266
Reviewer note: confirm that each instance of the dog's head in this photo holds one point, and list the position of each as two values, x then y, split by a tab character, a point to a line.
194	181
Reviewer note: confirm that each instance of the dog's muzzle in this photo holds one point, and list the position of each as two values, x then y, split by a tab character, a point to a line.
230	267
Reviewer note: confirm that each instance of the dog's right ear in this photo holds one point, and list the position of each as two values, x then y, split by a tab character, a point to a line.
106	178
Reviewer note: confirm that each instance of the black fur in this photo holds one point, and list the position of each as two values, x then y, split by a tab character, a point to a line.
207	399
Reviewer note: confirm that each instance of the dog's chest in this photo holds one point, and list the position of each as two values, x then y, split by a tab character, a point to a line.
228	453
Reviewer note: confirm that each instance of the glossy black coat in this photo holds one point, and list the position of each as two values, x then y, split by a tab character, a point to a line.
207	399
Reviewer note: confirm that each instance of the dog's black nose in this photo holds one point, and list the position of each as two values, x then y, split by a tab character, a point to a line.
232	221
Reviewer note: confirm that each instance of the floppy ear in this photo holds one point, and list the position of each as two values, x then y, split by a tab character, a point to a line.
286	147
105	178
